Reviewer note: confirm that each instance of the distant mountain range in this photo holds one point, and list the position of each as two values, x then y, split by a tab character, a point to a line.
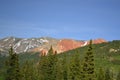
42	44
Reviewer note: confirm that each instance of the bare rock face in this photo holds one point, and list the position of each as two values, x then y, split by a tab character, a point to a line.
97	41
69	44
42	44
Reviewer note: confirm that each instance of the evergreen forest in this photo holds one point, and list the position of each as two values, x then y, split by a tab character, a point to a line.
92	62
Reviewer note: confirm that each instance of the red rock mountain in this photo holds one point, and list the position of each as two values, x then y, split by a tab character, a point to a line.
67	44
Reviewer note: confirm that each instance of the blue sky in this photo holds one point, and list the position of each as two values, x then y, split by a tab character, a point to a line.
77	19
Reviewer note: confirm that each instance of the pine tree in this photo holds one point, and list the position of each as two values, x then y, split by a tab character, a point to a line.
47	66
62	68
52	61
88	64
59	69
75	67
13	70
42	67
27	71
65	67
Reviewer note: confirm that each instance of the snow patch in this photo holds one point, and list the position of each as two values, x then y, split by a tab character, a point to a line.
13	39
33	39
10	44
60	40
85	43
17	45
26	48
6	39
25	42
44	40
38	41
24	39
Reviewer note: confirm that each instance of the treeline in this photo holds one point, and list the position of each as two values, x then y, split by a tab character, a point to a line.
54	67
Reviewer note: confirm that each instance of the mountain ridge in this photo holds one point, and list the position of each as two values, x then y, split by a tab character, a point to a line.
42	44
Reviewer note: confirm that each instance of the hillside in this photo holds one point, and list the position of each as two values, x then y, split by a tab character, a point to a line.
107	55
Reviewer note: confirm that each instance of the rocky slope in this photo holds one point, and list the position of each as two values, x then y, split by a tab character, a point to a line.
42	44
24	45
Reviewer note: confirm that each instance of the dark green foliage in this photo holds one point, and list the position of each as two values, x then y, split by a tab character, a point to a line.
42	67
47	66
51	63
118	75
88	64
75	67
101	74
61	70
65	67
2	67
29	71
108	74
12	64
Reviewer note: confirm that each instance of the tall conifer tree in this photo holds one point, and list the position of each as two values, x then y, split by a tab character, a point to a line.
28	71
88	64
12	64
47	66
